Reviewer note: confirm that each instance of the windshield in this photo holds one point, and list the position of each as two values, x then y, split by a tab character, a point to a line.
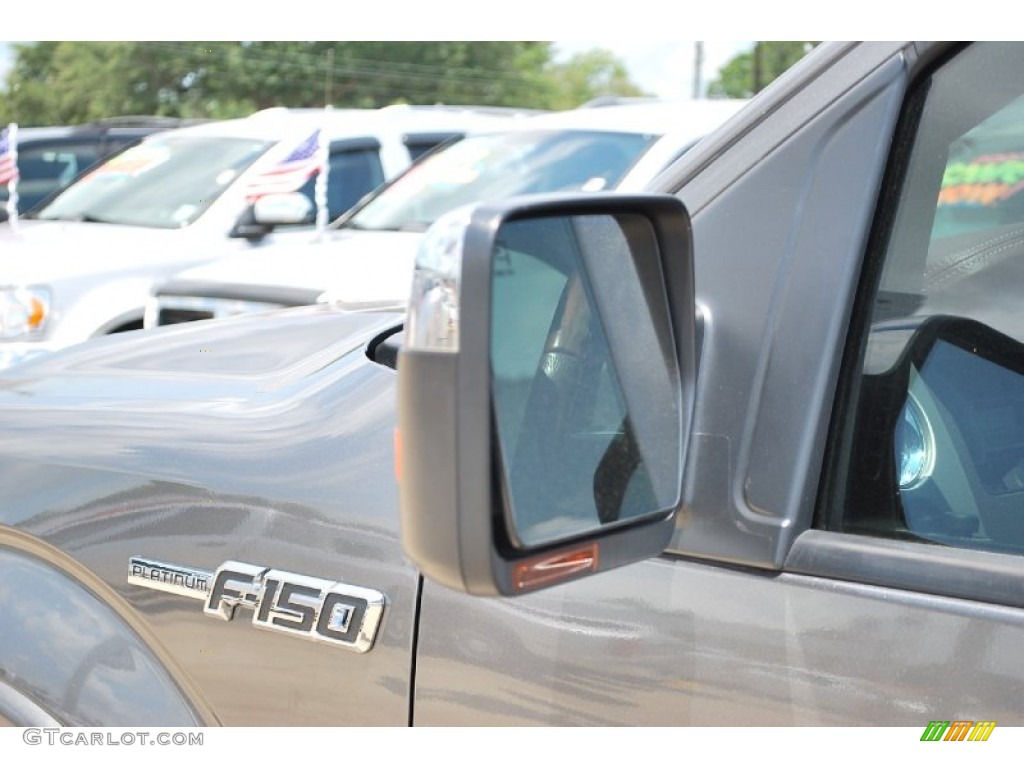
164	183
501	165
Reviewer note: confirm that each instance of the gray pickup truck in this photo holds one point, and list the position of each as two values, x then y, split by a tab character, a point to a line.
746	450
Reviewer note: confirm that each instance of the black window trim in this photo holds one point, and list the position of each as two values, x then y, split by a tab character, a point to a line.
432	137
361	143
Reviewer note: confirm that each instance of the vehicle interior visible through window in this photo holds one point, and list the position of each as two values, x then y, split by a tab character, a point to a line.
931	441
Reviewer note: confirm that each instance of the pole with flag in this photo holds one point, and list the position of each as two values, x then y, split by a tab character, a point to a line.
9	170
289	174
320	185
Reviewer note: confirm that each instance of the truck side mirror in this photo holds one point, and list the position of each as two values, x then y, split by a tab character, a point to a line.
546	389
282	209
273	210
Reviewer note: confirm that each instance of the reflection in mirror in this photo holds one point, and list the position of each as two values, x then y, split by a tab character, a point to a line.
585	376
940	452
967	381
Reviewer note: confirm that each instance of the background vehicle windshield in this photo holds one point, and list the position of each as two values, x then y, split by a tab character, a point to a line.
501	165
165	183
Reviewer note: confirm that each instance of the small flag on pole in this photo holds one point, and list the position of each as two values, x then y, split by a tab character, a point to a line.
9	169
9	153
289	174
320	188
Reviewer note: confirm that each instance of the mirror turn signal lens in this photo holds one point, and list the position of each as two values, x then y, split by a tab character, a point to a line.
550	569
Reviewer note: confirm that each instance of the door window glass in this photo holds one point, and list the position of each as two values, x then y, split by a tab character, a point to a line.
931	436
44	170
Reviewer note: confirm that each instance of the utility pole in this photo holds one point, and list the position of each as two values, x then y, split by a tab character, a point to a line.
698	65
758	67
327	78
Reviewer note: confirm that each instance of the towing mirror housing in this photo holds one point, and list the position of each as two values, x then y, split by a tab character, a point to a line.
546	389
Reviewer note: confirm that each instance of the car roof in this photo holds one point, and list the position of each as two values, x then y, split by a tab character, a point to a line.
47	133
697	117
279	123
115	128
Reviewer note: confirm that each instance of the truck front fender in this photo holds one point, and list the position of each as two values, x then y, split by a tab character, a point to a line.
99	309
72	651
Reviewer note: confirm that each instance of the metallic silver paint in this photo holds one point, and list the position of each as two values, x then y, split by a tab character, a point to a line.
17	709
75	649
276	447
674	642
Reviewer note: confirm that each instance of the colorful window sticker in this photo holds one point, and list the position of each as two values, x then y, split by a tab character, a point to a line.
986	180
134	161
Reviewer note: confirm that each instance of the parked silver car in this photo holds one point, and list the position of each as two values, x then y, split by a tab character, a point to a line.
745	450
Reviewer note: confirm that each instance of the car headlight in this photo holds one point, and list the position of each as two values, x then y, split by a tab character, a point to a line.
24	312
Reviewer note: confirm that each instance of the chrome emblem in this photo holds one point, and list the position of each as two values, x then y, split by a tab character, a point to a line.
304	606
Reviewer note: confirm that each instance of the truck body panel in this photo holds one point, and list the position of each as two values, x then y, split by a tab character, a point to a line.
266	442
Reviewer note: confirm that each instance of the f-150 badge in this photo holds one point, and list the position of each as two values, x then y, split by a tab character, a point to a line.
315	609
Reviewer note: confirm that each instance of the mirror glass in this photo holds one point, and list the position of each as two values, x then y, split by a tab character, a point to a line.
585	379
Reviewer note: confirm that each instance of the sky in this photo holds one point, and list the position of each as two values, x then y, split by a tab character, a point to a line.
6	54
664	68
642	30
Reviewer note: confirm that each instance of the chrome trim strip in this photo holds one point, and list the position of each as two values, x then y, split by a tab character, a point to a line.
176	579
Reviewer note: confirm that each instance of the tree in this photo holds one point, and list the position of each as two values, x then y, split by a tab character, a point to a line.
68	82
740	78
589	75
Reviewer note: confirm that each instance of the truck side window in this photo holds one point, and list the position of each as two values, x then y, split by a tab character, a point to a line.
45	170
352	174
930	440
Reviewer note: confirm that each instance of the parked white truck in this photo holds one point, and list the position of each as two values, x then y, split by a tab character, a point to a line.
365	259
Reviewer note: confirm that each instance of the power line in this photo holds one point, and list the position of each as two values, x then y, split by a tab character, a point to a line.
299	61
417	82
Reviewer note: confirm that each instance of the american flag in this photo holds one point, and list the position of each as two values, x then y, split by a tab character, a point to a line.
8	156
289	174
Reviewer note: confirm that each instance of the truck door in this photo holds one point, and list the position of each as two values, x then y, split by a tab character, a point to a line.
850	545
